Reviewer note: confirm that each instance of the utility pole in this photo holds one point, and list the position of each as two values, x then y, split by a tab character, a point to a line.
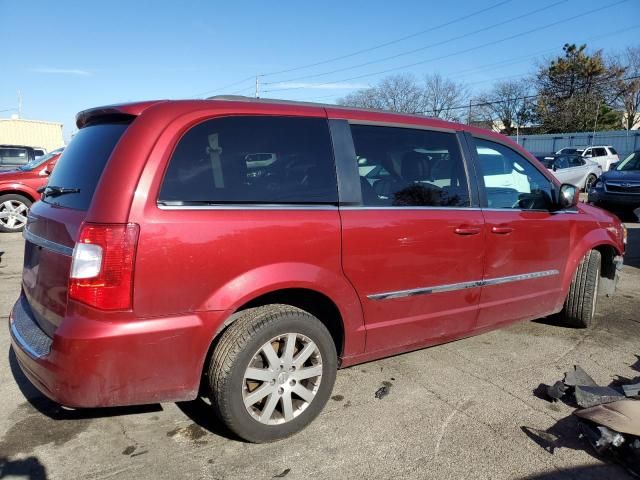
19	104
257	86
469	116
595	125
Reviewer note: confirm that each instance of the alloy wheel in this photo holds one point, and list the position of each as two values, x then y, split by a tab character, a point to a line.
282	378
13	214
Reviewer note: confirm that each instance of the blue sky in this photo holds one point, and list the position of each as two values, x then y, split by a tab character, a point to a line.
66	56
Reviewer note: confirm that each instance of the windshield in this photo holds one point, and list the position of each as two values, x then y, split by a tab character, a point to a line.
632	162
36	162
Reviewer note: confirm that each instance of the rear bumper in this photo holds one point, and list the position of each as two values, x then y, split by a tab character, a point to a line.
97	363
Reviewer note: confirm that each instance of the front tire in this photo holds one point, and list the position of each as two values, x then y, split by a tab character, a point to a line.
13	212
272	372
591	179
580	305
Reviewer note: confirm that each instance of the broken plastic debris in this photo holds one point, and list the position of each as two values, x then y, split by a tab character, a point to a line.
578	376
590	396
632	390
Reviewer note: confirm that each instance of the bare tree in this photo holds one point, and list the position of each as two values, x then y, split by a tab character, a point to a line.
443	97
629	98
398	93
506	105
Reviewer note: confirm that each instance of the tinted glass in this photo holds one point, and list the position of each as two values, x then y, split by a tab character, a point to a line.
82	164
560	163
575	161
253	160
14	156
510	181
599	152
404	167
613	151
632	162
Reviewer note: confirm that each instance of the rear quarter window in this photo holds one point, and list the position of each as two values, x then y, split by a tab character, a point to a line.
82	164
247	159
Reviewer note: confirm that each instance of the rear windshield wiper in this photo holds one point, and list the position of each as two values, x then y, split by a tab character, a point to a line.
53	191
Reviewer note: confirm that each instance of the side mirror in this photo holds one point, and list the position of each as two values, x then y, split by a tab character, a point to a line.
567	196
554	167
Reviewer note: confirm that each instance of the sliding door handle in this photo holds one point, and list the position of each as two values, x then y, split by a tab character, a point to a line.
464	230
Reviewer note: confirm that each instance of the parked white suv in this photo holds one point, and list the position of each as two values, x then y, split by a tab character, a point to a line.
603	155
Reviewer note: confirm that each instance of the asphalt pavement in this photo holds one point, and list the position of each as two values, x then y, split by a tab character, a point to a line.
461	410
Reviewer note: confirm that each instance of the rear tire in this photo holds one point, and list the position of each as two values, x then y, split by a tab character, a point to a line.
243	363
13	212
580	304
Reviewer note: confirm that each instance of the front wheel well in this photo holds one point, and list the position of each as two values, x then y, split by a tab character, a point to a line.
608	267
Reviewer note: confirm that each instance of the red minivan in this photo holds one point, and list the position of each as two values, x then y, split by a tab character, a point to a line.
245	249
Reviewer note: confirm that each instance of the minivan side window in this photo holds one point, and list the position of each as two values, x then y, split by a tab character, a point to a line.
510	181
253	159
404	167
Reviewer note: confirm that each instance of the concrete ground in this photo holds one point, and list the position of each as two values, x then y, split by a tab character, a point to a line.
467	409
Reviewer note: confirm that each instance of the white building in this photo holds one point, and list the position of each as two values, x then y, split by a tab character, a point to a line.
31	133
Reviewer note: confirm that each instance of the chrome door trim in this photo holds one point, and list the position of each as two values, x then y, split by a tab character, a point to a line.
462	285
247	207
389	207
48	244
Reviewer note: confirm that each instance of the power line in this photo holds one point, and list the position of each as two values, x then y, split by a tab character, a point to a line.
391	42
526	97
503	63
358	52
460	52
224	88
432	45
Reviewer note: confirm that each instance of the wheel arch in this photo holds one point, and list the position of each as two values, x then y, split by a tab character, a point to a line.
17	191
594	240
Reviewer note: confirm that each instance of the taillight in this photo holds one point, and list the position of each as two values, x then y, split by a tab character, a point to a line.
102	265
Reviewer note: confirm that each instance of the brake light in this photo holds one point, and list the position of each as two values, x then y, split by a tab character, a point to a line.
102	265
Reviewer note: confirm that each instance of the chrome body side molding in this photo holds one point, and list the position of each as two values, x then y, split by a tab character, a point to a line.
462	285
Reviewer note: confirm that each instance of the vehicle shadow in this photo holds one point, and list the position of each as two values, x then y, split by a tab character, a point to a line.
29	468
632	255
201	413
57	412
198	411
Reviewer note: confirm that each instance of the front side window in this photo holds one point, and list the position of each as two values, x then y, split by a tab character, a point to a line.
403	167
510	181
261	159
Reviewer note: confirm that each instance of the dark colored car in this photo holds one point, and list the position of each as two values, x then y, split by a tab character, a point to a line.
619	188
160	266
19	189
14	156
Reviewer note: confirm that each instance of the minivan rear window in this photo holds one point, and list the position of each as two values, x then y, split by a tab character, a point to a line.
82	164
252	159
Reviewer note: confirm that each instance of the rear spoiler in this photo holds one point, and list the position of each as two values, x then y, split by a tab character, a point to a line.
113	113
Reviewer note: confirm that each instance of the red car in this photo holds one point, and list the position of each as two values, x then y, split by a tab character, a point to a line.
246	249
19	189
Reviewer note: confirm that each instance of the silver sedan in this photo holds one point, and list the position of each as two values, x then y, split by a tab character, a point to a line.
573	169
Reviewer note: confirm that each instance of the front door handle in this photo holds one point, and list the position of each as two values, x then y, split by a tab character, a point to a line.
464	230
501	230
